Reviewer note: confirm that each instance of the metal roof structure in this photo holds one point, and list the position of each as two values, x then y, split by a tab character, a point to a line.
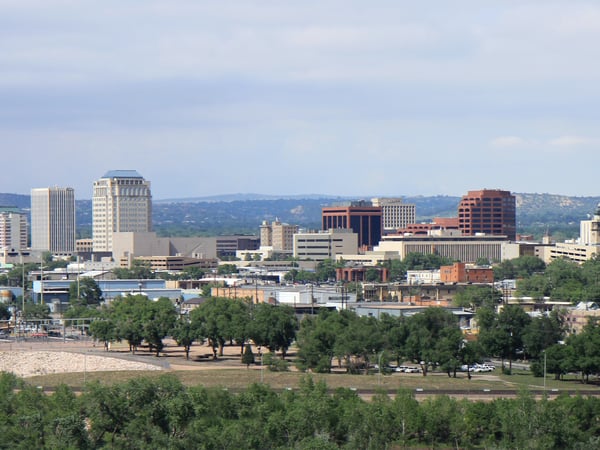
122	174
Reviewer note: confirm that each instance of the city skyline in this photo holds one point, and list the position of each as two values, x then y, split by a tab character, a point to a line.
333	98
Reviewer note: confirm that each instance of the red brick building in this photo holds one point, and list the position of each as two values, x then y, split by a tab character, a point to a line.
461	273
488	211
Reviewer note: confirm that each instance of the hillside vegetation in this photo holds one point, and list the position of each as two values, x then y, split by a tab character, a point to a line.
536	213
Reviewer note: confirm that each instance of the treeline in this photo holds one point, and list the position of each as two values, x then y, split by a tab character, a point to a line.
219	321
431	338
162	413
563	280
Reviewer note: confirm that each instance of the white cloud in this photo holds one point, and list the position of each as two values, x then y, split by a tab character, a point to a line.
508	142
572	141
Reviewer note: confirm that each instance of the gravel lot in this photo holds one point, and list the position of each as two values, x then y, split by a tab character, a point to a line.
26	363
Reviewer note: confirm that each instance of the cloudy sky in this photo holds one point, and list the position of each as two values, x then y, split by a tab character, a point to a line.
298	97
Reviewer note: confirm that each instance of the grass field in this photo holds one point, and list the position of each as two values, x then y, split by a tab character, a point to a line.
238	379
229	373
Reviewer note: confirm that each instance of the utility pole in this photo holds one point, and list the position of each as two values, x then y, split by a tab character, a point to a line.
42	280
23	284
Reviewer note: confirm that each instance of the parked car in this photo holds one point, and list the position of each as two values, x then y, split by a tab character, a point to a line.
482	368
412	370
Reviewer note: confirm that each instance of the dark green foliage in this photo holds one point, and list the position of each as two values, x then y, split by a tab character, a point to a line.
273	327
521	267
136	318
85	292
476	296
5	313
162	413
564	280
185	334
36	311
248	356
317	338
433	339
222	320
140	270
226	269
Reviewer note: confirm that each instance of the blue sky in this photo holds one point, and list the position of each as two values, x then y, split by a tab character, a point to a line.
280	97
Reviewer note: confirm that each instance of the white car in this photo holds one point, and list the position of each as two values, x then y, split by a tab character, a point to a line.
412	370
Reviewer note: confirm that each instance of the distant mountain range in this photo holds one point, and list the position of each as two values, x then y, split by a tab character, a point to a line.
243	213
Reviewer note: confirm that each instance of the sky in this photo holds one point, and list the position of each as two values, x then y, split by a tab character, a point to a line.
348	98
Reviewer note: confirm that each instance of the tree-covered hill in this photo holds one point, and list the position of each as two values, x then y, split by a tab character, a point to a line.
19	200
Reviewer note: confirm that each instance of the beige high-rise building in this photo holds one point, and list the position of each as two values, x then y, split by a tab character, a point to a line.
53	219
13	229
121	202
589	233
395	214
278	235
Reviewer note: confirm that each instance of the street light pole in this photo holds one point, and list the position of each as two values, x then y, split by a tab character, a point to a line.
544	372
24	286
379	365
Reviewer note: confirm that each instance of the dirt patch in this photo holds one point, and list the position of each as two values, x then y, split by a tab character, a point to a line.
27	363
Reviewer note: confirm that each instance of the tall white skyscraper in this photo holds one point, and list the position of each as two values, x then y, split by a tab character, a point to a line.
13	229
122	202
53	219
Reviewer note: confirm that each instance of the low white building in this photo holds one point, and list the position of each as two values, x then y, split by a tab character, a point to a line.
423	276
321	245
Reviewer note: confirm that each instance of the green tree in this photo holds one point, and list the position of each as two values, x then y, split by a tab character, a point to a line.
395	333
85	292
558	357
248	356
359	343
396	269
212	319
372	275
159	319
81	312
325	270
5	313
36	311
449	349
140	270
226	269
471	352
192	273
273	327
185	334
129	314
15	275
585	350
425	331
316	340
476	296
104	331
543	332
422	261
502	334
300	276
